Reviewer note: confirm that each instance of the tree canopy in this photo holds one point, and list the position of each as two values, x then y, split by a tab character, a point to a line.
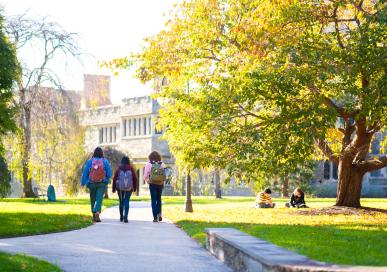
9	73
272	81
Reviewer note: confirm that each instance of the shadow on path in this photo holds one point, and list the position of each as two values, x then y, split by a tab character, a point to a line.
139	245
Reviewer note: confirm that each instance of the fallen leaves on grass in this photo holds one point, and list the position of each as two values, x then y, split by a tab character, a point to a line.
342	210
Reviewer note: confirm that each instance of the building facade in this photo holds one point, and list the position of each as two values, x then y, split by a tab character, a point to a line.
128	127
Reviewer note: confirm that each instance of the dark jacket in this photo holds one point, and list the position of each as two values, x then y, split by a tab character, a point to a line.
124	168
295	200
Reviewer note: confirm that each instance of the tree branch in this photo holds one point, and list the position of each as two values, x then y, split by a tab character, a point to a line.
329	102
337	27
372	165
327	151
248	112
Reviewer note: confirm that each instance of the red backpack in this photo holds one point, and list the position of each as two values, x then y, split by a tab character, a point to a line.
97	172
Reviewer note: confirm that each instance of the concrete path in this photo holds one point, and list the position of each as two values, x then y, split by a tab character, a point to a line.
140	245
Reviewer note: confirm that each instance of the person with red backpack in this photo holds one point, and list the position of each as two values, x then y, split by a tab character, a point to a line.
125	183
154	175
96	176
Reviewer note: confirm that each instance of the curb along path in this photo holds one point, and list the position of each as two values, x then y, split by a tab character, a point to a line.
139	245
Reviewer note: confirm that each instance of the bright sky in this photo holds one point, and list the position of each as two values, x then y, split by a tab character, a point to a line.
107	30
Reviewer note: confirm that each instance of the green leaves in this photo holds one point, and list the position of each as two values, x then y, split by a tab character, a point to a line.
266	79
9	72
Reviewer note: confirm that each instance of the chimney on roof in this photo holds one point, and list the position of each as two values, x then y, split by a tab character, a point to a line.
96	91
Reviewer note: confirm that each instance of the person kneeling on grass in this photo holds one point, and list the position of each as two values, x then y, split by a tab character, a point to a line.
297	200
264	200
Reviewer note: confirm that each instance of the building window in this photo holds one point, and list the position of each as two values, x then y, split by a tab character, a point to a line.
144	126
124	128
334	171
107	134
376	173
375	147
101	135
327	169
150	125
134	127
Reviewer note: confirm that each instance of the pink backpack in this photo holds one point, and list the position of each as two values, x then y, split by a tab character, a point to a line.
97	172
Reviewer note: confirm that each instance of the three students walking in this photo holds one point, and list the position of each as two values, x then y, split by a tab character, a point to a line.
97	173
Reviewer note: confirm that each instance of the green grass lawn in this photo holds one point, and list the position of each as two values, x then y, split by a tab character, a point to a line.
20	217
23	263
341	239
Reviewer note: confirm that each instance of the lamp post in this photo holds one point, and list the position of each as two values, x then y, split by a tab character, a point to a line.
188	200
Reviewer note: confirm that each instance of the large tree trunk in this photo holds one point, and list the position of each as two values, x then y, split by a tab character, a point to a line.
349	184
26	146
350	173
218	188
285	186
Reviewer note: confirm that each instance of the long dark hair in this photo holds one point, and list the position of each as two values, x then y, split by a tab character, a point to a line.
125	160
98	153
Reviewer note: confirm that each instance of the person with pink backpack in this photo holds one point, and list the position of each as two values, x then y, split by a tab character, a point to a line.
96	176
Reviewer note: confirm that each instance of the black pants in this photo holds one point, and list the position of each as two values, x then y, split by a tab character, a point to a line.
297	205
155	192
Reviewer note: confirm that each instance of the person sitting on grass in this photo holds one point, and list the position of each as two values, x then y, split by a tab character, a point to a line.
297	200
264	200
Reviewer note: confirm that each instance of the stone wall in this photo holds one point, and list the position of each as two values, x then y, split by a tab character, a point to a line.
243	252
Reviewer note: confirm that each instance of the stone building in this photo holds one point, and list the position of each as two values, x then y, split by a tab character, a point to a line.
128	127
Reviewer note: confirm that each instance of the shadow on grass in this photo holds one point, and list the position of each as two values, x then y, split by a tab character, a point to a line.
16	224
60	201
19	262
340	244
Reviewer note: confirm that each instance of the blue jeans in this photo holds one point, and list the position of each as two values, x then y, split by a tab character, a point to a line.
97	190
124	197
155	192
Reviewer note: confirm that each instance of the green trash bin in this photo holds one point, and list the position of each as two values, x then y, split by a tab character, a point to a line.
51	193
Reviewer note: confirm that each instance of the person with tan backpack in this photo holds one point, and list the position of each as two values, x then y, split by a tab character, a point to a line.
154	175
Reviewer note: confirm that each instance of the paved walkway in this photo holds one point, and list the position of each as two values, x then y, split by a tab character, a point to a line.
140	245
